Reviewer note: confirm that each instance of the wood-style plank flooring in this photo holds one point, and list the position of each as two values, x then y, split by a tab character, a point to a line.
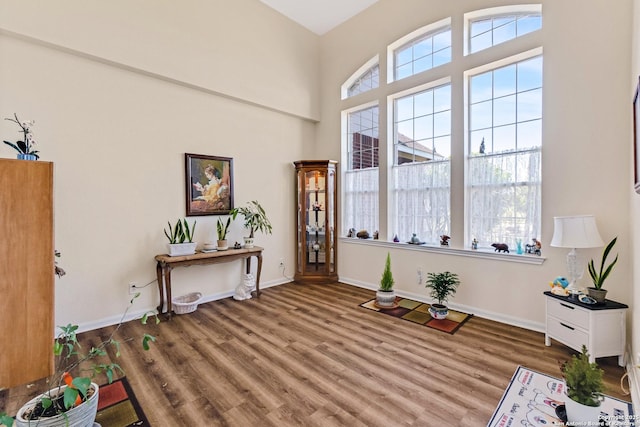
308	355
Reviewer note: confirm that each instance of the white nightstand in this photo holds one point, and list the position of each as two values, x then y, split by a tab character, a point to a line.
601	327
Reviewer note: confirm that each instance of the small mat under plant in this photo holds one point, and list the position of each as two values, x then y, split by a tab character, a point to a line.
535	399
418	312
118	406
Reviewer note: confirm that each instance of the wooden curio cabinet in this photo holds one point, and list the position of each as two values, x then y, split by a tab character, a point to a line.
316	248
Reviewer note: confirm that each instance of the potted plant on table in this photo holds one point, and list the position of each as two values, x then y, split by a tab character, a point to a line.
255	219
222	229
24	148
181	238
73	401
598	277
386	296
585	386
441	286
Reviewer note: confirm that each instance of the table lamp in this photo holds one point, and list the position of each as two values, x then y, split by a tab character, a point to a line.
575	232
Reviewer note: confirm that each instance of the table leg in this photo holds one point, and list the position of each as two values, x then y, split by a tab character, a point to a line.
167	282
259	256
160	275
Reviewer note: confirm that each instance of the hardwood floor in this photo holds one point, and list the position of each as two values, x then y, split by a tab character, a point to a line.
307	355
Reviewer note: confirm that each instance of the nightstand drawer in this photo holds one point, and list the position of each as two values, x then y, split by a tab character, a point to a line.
567	333
568	312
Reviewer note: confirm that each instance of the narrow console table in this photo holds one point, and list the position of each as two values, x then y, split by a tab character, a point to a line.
167	263
600	327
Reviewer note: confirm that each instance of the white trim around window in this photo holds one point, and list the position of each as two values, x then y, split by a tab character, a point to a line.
344	89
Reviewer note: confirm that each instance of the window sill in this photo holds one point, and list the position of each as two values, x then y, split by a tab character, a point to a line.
479	253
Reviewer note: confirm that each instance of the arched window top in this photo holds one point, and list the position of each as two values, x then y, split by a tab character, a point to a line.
364	79
420	50
489	27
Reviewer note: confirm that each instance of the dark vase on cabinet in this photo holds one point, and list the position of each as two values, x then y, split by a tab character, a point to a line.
316	219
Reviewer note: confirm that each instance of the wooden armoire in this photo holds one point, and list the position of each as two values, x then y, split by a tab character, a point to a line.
26	271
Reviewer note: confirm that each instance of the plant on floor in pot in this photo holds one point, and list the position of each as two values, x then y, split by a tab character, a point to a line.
181	238
255	219
585	386
598	277
386	296
73	401
441	286
222	229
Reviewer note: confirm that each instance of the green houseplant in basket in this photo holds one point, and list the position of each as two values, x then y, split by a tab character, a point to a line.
585	386
598	277
441	286
222	229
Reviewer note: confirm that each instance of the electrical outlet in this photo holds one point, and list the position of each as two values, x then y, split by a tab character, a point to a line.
419	276
132	288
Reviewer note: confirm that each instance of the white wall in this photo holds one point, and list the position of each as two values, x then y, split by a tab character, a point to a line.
120	91
586	137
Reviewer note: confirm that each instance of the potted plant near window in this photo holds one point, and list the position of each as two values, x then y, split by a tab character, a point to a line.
255	219
222	229
181	238
598	277
386	296
73	401
441	286
584	389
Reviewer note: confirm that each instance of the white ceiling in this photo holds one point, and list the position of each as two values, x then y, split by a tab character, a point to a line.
319	16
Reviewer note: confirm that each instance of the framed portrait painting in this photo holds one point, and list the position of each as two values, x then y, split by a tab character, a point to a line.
636	137
209	181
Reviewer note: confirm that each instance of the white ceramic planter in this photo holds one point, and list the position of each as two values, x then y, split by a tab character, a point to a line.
386	299
581	415
179	249
248	242
438	311
83	415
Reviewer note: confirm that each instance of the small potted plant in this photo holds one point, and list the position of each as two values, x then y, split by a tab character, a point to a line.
255	219
598	277
222	229
24	148
386	296
584	389
73	401
181	238
441	286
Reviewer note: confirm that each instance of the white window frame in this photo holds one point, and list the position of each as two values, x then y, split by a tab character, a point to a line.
366	67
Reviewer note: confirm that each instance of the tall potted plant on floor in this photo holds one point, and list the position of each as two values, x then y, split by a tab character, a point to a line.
386	296
584	389
441	286
255	219
598	277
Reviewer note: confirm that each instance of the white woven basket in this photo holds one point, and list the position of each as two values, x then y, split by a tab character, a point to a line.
186	303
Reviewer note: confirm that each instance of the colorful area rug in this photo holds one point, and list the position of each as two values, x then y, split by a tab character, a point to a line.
418	312
118	406
535	399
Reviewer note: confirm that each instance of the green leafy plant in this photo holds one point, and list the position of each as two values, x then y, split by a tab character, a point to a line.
598	277
442	285
255	218
71	358
223	228
387	282
584	379
26	145
180	233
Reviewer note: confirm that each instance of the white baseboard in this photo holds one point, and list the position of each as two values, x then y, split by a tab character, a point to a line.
498	317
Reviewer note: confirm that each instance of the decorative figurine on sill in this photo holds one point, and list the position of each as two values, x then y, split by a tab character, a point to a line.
352	232
500	247
395	239
534	248
363	234
237	245
444	240
415	239
519	250
474	244
559	285
375	235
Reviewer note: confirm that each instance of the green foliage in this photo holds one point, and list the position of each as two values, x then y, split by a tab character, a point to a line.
25	146
442	285
584	379
598	278
70	358
180	233
223	228
386	283
255	217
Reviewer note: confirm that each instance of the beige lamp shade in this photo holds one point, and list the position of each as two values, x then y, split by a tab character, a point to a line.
576	232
